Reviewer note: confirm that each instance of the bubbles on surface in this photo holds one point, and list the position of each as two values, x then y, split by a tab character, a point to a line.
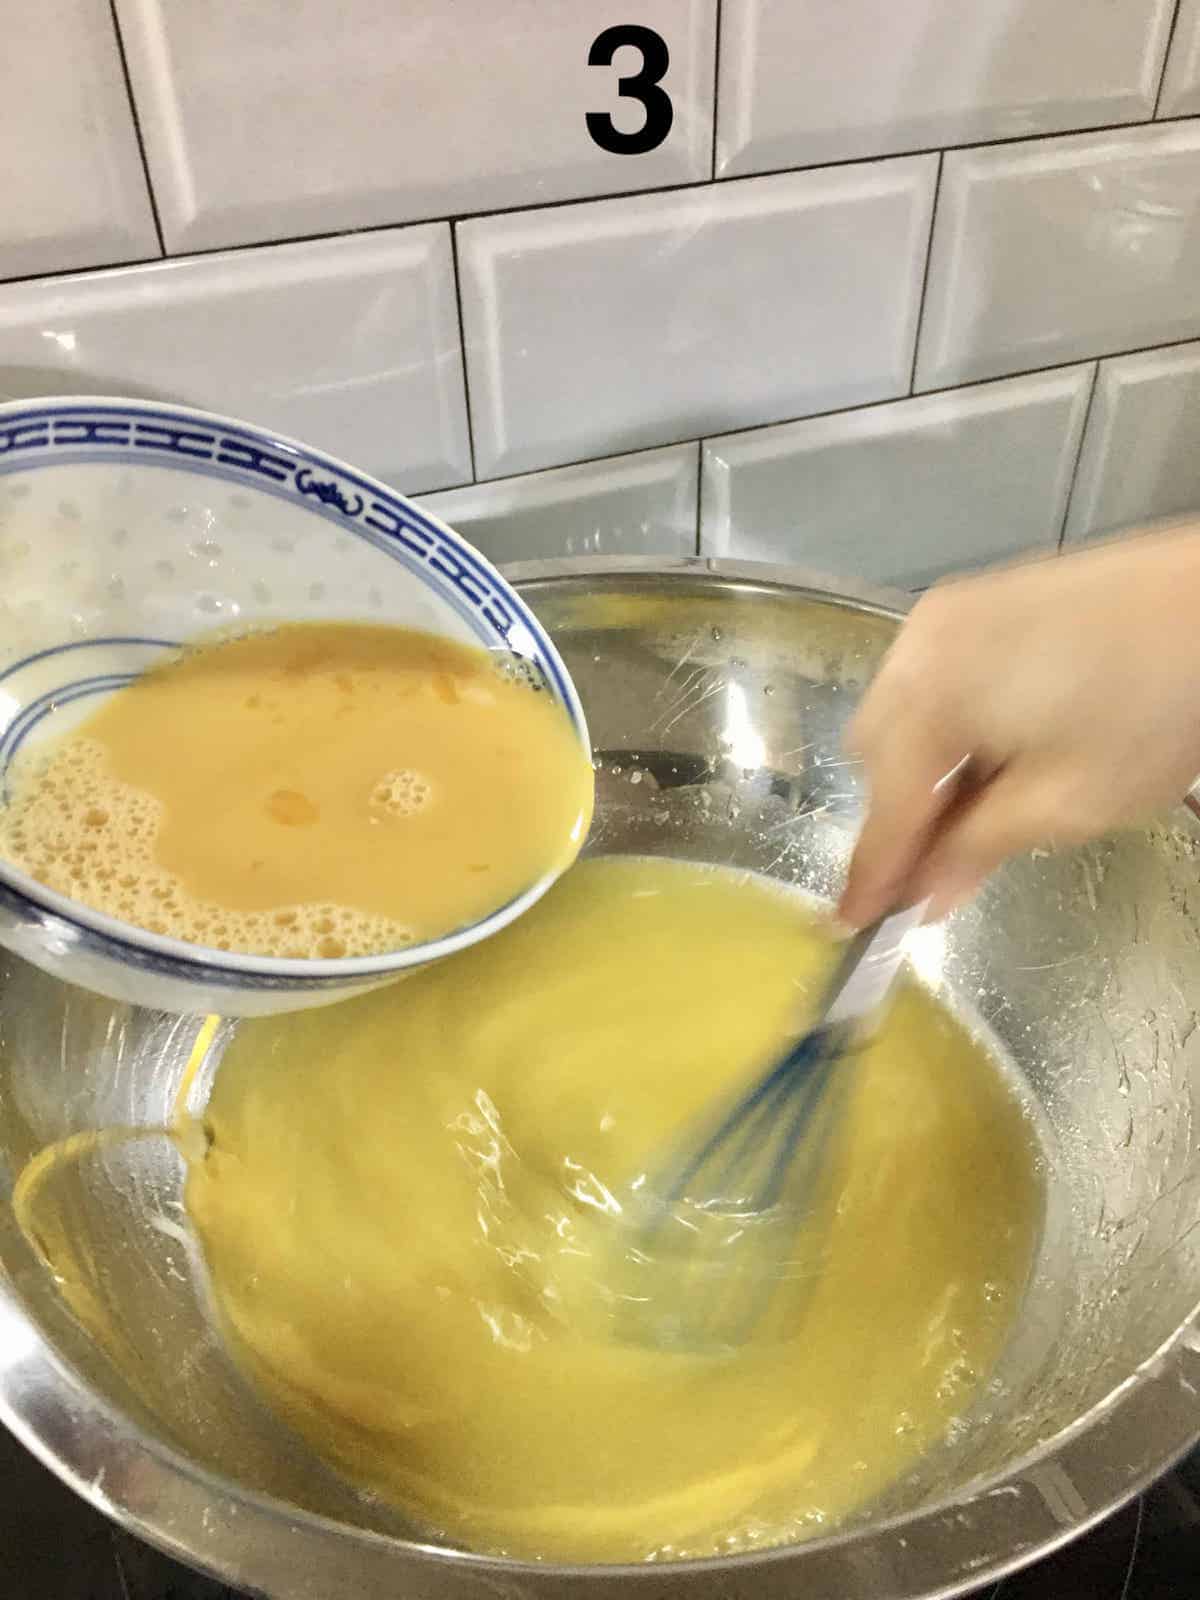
401	794
516	669
83	833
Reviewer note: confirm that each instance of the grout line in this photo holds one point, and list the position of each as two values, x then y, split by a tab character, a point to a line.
435	488
937	190
462	350
325	236
566	466
944	389
699	498
716	94
137	128
955	388
969	144
1162	77
812	416
1083	432
529	208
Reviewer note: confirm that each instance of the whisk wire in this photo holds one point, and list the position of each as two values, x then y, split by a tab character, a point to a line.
812	1061
722	1228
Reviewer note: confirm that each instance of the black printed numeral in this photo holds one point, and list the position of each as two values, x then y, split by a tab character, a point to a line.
644	85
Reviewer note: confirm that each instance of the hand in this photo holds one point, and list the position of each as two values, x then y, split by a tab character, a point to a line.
1073	687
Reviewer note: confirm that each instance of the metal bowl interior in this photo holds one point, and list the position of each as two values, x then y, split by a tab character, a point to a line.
716	696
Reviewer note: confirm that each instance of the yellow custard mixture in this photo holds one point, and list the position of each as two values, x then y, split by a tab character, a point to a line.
414	1207
315	791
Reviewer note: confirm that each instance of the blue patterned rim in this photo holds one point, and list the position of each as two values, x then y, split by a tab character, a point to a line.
39	434
216	447
138	654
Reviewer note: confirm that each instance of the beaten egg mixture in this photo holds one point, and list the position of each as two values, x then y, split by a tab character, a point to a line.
414	1208
314	791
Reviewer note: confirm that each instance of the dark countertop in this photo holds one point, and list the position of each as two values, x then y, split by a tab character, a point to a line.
54	1547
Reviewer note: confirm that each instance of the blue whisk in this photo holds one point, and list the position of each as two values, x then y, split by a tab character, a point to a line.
723	1226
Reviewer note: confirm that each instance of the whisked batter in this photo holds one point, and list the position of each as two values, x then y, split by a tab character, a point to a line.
411	1205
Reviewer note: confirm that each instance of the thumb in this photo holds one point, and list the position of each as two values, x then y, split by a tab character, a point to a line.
907	798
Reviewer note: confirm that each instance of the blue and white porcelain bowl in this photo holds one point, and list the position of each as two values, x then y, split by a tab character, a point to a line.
127	530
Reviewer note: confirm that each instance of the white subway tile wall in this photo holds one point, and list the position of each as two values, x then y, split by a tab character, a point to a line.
1141	453
348	344
623	505
802	83
970	476
289	117
792	239
71	181
1054	249
635	322
1181	83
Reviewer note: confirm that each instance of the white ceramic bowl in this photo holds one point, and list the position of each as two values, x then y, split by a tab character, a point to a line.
126	530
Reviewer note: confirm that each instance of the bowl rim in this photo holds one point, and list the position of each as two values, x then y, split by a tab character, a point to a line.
125	940
1061	1487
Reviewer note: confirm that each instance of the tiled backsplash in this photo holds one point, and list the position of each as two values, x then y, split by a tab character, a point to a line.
896	288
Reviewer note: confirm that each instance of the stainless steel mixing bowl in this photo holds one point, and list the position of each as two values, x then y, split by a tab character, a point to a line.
716	696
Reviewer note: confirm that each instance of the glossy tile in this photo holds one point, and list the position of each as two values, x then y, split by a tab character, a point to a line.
642	504
593	329
801	85
74	192
350	345
901	494
1181	81
1141	453
293	117
1053	250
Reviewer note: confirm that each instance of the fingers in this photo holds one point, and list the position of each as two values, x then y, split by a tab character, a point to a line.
904	770
1073	687
1019	809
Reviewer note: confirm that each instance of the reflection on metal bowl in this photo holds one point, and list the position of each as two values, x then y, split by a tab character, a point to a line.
716	696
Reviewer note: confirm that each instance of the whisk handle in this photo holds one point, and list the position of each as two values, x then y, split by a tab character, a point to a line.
868	968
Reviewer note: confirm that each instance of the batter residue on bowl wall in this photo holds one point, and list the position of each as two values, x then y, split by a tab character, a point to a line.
410	1205
318	790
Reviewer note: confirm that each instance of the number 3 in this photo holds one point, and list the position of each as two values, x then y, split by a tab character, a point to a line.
644	86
